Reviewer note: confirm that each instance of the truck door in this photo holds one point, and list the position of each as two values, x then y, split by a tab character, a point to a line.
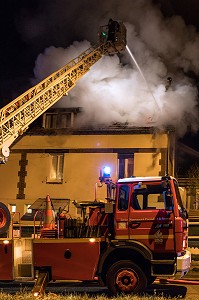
122	211
151	217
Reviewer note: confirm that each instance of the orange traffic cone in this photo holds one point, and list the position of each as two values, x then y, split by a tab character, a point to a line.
49	229
49	217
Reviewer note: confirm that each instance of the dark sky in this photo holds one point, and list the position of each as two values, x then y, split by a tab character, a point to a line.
18	53
187	151
28	27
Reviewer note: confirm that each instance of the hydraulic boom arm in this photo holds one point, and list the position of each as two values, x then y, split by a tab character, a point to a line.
16	116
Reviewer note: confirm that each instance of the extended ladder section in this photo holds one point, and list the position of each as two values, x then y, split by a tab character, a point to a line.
16	116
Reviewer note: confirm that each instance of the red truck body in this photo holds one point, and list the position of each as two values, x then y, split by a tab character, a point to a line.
138	233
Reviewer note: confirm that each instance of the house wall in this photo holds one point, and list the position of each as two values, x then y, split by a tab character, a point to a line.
94	141
23	179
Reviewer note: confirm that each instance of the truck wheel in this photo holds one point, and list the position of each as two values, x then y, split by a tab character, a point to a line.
5	218
126	277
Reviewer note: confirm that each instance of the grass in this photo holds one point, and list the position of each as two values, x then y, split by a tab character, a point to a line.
51	296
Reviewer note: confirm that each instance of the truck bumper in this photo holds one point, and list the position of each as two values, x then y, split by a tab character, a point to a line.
183	265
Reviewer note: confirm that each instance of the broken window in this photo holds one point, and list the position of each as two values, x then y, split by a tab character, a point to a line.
56	168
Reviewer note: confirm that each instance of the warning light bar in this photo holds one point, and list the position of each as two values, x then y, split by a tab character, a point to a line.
105	173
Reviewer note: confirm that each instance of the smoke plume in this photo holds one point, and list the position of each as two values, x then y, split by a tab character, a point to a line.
114	90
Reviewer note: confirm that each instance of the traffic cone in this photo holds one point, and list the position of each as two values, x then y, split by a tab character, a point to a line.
49	229
49	216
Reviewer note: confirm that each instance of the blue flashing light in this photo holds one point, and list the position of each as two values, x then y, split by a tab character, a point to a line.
106	172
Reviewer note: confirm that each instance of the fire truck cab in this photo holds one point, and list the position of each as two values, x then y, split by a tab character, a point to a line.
150	211
149	238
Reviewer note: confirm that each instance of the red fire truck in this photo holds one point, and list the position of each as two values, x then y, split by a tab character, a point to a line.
139	232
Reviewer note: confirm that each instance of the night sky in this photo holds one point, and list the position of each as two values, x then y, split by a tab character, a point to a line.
28	27
18	52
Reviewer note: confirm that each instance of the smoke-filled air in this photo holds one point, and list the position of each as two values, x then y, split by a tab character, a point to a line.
114	90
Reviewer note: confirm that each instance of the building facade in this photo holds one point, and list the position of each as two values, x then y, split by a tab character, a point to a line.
62	161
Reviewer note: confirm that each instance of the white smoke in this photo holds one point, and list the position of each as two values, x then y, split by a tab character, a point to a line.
114	90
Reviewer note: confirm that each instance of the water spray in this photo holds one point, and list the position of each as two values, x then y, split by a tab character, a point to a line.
150	119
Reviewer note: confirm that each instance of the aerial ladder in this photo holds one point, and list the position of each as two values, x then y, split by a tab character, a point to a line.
16	116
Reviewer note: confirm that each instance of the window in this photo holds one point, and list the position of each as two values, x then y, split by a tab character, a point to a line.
123	197
150	197
126	165
58	120
56	168
27	208
50	120
13	208
66	120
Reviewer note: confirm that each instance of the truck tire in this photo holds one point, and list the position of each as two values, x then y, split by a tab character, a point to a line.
126	277
5	218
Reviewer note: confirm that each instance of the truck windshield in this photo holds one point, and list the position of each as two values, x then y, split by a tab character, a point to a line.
152	196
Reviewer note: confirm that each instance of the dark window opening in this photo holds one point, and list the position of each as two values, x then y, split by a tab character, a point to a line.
126	165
